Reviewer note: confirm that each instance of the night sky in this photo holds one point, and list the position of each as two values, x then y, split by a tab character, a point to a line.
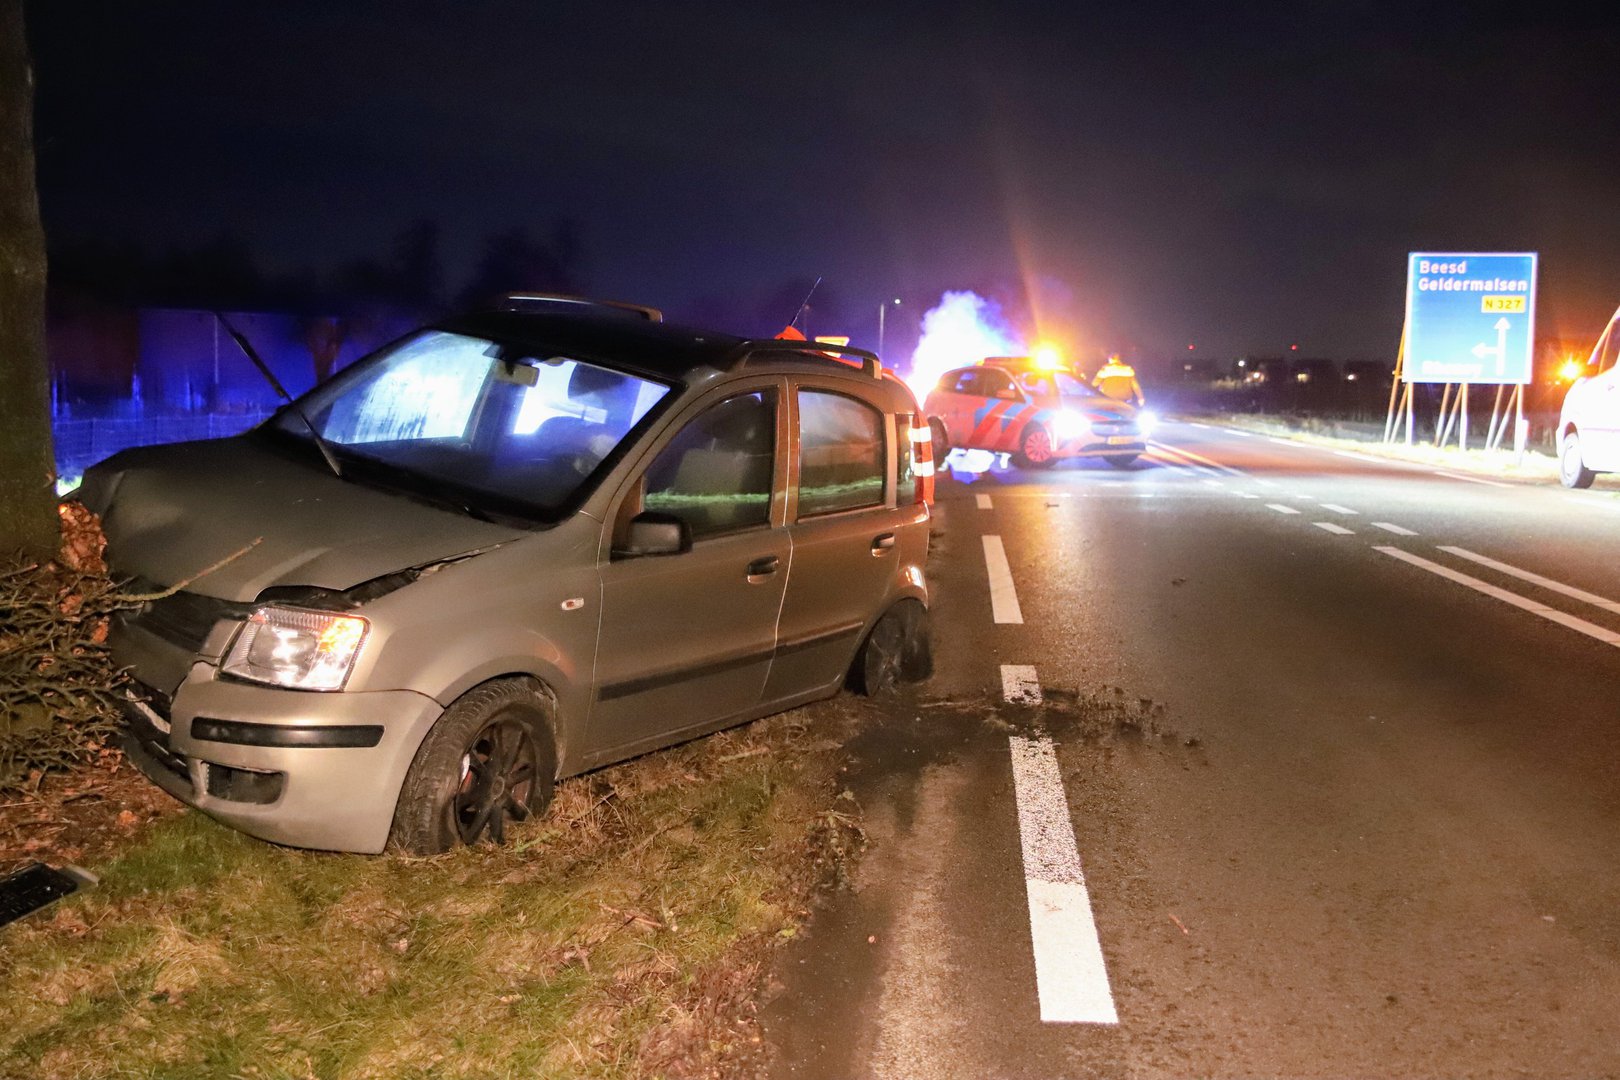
1228	175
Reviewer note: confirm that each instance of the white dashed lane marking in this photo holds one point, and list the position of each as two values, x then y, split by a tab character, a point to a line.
1336	530
1020	685
1536	579
1391	528
1337	509
1591	630
1071	979
1003	598
982	500
1281	508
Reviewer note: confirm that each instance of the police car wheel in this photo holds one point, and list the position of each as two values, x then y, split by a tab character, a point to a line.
1034	449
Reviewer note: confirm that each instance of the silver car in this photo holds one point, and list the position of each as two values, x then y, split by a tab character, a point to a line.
508	548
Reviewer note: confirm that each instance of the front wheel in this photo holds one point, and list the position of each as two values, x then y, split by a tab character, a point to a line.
488	761
1035	449
1572	471
938	437
1122	461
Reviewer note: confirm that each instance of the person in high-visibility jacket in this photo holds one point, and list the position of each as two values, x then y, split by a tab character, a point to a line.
1117	380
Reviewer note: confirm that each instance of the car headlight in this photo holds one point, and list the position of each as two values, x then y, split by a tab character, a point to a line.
305	650
1146	422
1068	424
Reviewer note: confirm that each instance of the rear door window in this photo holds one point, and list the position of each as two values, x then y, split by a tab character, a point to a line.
843	454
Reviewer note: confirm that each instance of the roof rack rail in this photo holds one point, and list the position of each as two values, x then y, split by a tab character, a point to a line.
870	363
514	301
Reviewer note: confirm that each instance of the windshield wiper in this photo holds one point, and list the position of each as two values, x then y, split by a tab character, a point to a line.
275	384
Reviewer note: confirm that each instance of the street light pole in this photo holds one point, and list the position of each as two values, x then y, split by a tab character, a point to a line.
882	311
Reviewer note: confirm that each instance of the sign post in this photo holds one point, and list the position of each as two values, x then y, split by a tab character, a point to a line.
1470	319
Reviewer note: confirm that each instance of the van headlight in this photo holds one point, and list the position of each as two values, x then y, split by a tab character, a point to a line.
305	650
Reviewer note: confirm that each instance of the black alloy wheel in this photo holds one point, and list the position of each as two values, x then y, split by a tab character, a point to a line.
490	761
497	780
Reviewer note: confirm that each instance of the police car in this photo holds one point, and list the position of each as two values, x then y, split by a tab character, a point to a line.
1014	405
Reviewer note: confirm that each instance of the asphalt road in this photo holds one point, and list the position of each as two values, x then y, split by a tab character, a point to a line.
1346	798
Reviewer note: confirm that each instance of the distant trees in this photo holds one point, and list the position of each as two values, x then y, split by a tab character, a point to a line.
28	522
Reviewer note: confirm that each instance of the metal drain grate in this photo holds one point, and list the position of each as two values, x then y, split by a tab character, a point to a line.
31	888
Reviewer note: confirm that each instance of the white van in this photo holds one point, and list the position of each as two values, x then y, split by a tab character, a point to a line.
1589	423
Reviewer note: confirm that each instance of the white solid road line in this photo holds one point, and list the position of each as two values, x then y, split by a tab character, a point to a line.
1020	685
1164	456
1071	979
1337	509
1281	508
983	501
1003	599
1591	630
1470	479
1536	579
1336	530
1199	458
1396	529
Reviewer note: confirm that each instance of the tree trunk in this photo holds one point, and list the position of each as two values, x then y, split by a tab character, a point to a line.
27	470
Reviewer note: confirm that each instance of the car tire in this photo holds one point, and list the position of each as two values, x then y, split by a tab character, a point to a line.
1035	450
1572	471
897	649
1122	461
938	437
489	760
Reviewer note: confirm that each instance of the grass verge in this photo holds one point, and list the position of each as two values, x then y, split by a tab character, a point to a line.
1535	467
621	935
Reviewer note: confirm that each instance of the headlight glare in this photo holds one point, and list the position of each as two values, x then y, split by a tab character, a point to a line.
1146	422
305	650
1068	424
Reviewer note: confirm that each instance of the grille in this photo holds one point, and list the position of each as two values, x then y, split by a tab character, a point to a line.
185	618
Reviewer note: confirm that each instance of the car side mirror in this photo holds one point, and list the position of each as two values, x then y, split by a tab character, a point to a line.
653	532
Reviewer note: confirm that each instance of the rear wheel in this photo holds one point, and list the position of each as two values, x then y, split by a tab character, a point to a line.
1035	449
898	649
489	761
1572	471
940	440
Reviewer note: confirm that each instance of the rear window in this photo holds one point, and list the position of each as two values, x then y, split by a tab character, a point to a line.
843	453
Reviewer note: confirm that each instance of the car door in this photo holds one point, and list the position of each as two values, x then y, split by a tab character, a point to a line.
996	421
686	639
844	519
1599	415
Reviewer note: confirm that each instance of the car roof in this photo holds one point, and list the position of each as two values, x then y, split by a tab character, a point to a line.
658	348
624	338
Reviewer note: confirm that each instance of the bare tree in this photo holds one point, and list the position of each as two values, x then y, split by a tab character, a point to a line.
27	470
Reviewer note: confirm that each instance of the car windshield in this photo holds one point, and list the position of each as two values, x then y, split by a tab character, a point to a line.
473	422
1070	386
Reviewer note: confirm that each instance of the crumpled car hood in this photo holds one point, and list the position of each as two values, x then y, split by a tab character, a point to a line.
170	512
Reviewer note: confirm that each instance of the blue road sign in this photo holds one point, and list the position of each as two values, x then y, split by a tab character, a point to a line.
1470	317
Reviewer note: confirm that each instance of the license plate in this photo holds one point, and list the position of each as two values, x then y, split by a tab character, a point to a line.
1121	440
152	716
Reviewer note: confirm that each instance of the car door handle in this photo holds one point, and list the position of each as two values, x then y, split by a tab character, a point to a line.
762	568
881	543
